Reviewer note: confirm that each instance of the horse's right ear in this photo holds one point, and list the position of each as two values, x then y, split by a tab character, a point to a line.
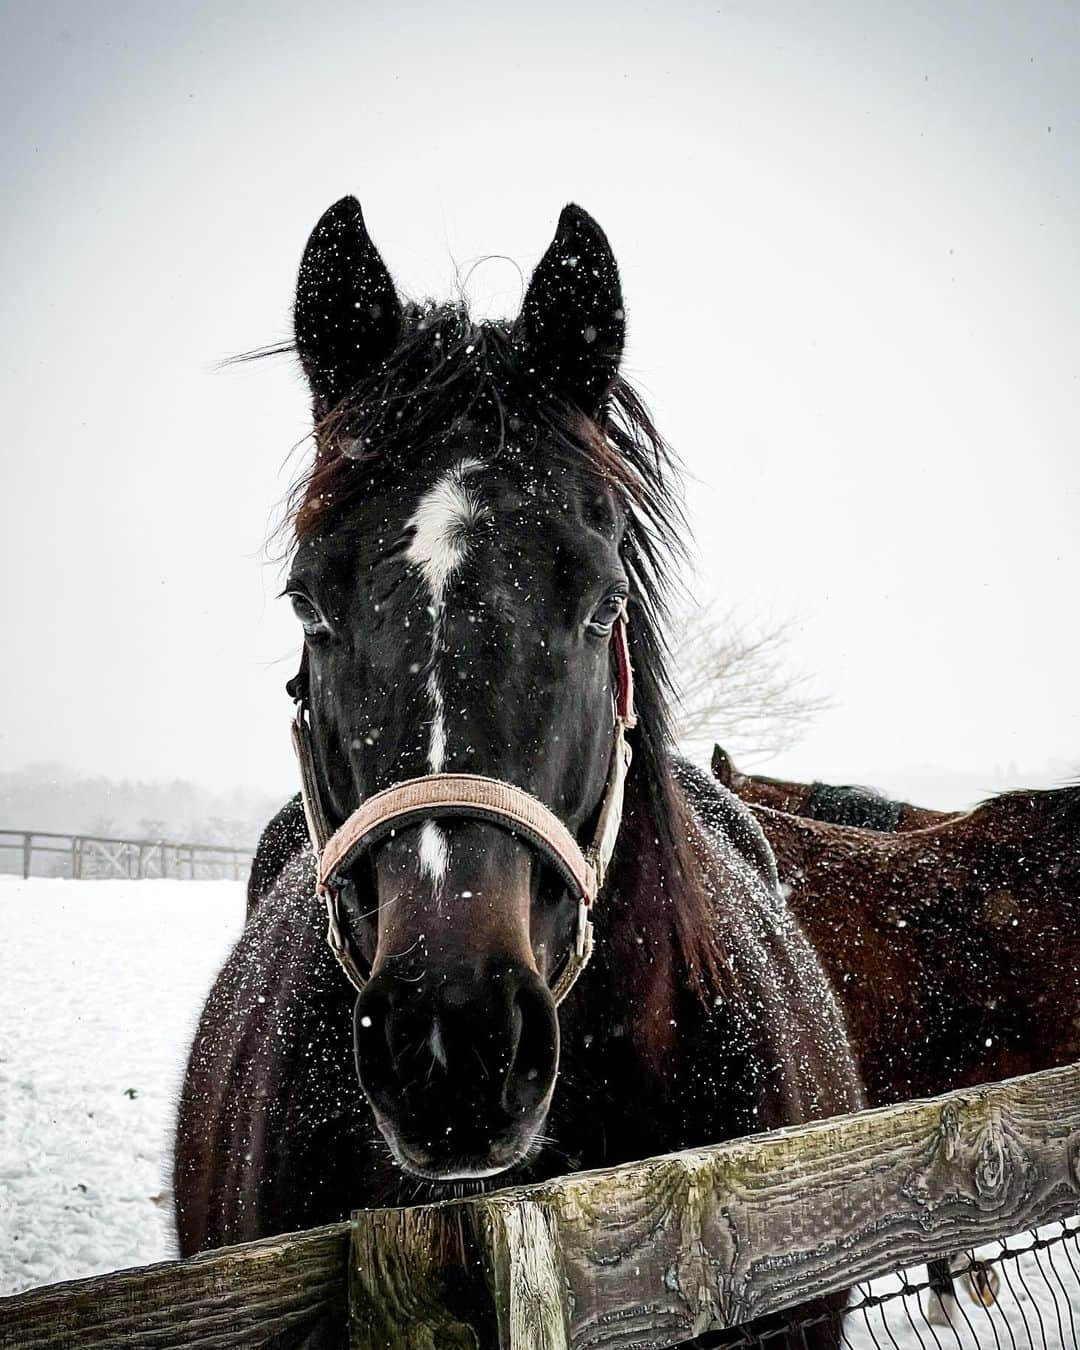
722	767
347	316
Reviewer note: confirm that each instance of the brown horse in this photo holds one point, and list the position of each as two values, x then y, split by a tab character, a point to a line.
482	551
888	1074
842	805
955	950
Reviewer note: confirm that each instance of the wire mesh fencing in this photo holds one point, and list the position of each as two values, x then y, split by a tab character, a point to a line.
1020	1293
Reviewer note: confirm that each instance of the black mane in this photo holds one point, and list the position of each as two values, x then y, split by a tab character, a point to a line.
858	806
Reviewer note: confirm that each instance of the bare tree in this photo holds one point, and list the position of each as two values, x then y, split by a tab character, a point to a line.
736	686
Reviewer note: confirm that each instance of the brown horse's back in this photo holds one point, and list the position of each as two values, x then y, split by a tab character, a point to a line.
841	804
955	950
922	817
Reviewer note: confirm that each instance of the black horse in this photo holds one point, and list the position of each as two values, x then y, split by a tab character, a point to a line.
484	500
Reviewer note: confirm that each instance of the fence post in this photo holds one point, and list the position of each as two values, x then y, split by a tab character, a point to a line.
487	1275
528	1281
27	855
403	1266
76	857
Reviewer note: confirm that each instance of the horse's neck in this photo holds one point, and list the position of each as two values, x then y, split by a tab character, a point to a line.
651	941
728	1000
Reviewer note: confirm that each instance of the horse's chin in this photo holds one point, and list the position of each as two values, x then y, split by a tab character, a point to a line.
453	1172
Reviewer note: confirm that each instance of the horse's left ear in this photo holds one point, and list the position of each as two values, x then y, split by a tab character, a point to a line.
572	322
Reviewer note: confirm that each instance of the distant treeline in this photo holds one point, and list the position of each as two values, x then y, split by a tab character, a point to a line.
55	797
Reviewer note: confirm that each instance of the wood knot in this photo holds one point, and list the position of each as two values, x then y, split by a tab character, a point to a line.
1073	1155
950	1129
990	1168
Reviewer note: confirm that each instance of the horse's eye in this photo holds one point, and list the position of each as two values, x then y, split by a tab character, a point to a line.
605	614
307	613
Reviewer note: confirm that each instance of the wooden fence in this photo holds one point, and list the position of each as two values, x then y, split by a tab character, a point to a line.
647	1254
81	856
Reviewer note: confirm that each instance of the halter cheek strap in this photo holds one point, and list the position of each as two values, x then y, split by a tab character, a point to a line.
473	797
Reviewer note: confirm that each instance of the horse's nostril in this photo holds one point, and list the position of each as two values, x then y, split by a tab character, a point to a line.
374	1060
536	1053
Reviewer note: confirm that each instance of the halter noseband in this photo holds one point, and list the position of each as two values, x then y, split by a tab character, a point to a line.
472	797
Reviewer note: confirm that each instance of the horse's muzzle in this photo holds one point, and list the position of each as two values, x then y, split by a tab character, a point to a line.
458	1064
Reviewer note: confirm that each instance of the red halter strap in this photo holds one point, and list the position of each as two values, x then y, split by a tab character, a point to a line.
625	715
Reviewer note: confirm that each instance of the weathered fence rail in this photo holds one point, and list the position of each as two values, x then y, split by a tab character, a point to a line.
647	1254
655	1252
237	1296
80	856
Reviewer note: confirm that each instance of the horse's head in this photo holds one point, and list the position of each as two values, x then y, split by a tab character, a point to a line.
459	575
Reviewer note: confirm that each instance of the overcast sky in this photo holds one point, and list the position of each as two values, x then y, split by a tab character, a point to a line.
849	237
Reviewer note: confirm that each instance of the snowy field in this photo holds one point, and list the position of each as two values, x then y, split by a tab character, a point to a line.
100	986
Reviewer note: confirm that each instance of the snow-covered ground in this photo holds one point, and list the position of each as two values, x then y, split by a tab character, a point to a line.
100	986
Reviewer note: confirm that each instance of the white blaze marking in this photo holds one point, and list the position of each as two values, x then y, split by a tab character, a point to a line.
439	544
434	851
437	737
440	523
438	1048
